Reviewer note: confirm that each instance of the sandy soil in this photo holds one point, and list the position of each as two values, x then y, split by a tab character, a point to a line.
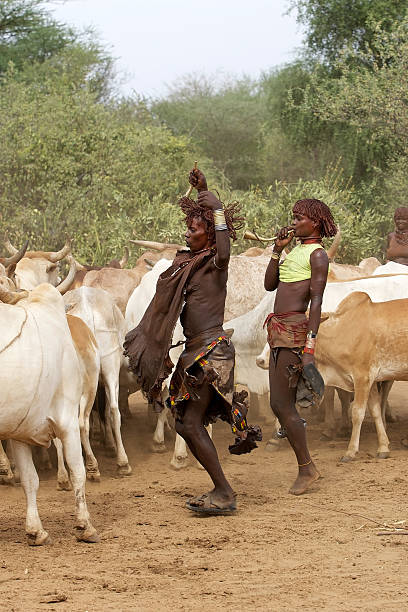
321	551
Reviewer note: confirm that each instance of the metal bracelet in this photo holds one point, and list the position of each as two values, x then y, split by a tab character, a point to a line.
221	226
310	343
275	256
219	217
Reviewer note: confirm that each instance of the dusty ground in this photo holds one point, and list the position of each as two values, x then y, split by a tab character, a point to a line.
318	552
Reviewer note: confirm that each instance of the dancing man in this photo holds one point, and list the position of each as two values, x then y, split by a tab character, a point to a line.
202	386
299	280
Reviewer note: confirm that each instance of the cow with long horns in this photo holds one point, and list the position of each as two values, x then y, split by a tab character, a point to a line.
38	267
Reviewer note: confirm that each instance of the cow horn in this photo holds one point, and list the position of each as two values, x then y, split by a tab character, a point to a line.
11	249
58	255
69	279
332	250
125	258
79	266
12	297
156	246
15	258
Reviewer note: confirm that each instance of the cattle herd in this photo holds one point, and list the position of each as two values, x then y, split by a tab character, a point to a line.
61	349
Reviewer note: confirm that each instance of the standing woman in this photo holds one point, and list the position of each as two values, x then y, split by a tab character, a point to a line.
299	280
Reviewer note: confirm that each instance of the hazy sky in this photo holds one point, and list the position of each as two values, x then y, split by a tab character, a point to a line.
157	41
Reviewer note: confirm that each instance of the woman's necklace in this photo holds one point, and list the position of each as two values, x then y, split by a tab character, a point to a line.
312	240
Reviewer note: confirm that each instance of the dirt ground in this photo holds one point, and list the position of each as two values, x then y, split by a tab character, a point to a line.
320	551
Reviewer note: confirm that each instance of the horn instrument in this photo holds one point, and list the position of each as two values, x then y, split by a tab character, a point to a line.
248	235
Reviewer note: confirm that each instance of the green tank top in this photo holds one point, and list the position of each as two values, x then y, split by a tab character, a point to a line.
296	266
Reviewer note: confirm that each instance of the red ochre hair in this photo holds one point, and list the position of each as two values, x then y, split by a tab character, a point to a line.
317	210
401	213
192	210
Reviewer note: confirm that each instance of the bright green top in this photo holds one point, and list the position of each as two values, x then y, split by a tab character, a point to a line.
296	266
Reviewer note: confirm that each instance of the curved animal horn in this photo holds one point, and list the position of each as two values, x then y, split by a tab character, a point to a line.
79	266
332	250
58	255
69	279
12	297
11	249
125	258
8	261
156	246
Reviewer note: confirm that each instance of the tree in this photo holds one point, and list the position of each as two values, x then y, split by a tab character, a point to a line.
224	117
373	101
71	165
29	36
333	25
371	98
27	33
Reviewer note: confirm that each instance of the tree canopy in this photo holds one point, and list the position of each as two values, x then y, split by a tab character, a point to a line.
77	159
334	25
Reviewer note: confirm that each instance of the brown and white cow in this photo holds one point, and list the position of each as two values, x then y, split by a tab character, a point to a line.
38	267
360	344
83	269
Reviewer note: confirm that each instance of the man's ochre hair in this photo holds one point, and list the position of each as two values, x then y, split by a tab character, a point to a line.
192	210
317	210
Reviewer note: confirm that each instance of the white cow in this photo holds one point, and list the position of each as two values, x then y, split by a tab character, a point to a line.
98	310
41	390
242	292
138	302
391	267
89	363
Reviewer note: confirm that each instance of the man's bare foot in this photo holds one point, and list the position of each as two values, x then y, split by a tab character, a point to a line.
306	477
221	499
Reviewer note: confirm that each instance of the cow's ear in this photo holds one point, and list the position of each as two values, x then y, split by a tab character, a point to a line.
324	316
149	264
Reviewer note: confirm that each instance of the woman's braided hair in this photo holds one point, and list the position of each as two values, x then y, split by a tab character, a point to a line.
192	210
401	212
317	210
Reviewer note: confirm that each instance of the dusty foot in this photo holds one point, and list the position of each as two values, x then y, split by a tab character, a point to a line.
214	502
158	447
64	485
179	463
124	470
306	477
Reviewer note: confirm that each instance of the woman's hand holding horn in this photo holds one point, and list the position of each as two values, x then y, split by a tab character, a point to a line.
283	238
